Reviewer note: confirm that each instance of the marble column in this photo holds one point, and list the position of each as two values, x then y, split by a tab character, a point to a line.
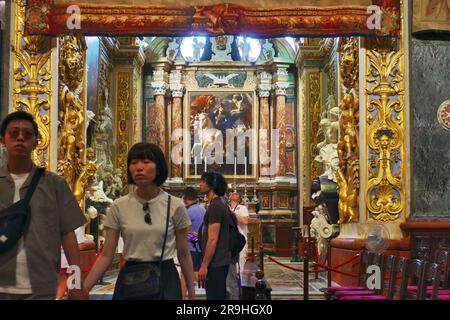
177	90
264	88
160	87
280	124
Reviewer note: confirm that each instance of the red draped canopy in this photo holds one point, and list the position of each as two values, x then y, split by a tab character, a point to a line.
268	18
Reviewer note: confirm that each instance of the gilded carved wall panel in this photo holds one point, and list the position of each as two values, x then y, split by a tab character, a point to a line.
124	83
314	110
348	146
331	77
385	132
303	141
72	114
33	82
136	118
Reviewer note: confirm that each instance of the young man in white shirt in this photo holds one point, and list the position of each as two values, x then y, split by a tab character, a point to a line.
241	214
28	270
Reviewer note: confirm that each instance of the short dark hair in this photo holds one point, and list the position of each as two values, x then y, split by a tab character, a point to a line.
216	181
240	198
190	194
152	152
18	115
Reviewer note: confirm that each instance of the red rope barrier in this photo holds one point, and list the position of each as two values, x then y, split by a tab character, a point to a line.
292	268
339	265
326	268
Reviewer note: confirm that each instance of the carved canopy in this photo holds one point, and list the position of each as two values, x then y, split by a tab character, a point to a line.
213	17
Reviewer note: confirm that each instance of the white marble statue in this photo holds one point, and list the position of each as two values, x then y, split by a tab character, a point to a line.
115	185
268	50
322	229
99	194
245	49
172	50
103	132
90	214
197	49
324	125
325	152
328	155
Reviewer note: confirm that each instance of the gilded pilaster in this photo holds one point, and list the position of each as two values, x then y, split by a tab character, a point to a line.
128	61
304	190
348	147
136	113
72	114
33	82
385	128
123	117
314	114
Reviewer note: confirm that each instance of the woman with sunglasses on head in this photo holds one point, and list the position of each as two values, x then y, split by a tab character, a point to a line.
152	223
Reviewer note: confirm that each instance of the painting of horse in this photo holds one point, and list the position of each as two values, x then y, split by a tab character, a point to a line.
213	115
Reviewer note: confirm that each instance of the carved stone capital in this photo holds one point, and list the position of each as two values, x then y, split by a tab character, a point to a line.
264	90
160	75
160	88
265	77
177	90
175	76
280	88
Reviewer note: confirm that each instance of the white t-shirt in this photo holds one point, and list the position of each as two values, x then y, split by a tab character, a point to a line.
143	242
23	284
242	211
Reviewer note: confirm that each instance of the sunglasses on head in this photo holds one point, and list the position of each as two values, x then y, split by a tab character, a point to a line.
26	133
147	217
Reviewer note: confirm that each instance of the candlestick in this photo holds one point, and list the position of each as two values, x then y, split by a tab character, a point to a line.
245	167
195	166
205	164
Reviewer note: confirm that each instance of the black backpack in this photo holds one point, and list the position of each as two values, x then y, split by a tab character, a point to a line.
237	239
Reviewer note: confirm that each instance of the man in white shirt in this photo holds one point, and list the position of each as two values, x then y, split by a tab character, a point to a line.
28	270
242	215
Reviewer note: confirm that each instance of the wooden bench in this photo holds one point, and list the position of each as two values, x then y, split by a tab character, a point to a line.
248	282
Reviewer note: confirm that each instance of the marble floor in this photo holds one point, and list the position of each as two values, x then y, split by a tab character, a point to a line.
286	284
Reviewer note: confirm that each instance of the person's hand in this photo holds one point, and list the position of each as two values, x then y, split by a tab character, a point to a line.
78	294
202	273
